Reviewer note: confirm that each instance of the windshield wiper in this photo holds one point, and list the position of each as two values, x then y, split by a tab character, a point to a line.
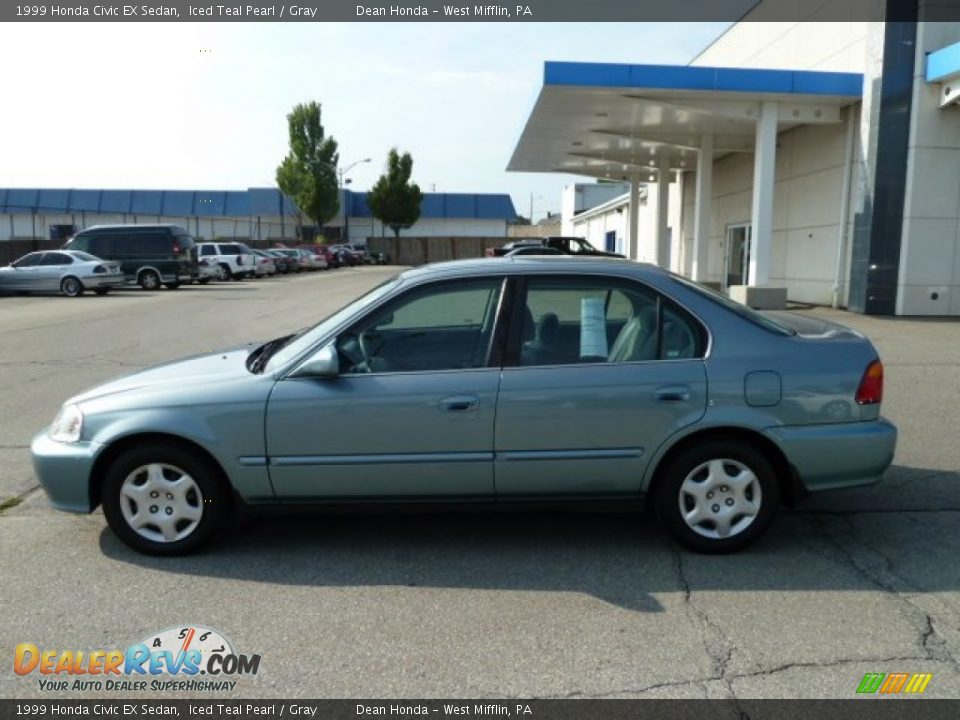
258	358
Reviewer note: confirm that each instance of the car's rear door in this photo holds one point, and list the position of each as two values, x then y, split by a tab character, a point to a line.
410	413
52	268
600	371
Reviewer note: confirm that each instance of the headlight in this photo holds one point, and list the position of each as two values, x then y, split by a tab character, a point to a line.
67	425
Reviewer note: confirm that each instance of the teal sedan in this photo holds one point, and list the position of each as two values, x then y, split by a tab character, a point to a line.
488	382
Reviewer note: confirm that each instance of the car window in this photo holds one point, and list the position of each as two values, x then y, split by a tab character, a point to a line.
230	249
567	321
440	327
31	260
85	257
55	258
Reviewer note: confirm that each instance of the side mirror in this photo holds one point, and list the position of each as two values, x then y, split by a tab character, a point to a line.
323	363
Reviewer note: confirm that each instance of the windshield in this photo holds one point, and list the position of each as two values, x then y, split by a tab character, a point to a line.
742	310
305	340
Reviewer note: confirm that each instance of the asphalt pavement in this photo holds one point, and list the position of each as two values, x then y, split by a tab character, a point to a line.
505	605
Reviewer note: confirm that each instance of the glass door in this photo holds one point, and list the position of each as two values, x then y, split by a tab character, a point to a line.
737	260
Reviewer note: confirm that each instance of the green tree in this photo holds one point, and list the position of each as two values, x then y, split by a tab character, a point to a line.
393	199
308	173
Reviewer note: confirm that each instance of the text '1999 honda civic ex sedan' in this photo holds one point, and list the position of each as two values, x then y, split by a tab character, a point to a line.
488	381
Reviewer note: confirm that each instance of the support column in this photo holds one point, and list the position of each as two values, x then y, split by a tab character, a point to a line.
764	166
663	208
634	219
701	211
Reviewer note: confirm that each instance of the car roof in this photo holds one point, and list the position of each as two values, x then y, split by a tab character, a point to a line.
128	226
519	264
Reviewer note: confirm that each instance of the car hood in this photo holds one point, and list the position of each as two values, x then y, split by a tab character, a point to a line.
811	327
201	369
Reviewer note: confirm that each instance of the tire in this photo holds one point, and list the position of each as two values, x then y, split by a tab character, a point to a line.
733	485
223	272
149	280
71	286
102	291
203	281
147	471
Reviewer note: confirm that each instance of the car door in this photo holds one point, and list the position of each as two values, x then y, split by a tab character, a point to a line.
21	274
51	269
410	413
600	372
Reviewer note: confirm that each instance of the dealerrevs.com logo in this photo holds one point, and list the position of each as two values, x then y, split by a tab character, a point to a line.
188	658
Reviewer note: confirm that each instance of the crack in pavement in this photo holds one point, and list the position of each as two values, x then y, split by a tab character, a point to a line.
933	645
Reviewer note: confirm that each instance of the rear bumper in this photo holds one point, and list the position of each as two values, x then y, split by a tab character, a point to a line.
95	282
842	455
64	471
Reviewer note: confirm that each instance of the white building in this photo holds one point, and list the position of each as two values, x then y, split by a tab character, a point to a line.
816	157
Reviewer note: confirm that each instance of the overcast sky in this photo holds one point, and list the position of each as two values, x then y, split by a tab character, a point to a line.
203	106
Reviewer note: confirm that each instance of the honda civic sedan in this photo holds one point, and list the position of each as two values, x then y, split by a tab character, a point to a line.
69	272
488	382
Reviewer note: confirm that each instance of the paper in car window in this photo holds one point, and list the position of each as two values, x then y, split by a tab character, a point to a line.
593	329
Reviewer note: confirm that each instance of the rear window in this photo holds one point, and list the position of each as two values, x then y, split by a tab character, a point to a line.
84	256
732	305
185	241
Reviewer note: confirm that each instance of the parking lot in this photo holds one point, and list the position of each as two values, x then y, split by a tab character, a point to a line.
543	605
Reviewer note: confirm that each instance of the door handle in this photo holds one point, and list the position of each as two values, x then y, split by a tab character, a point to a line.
672	393
459	403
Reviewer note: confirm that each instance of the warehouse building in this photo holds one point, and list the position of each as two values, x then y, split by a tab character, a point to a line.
812	161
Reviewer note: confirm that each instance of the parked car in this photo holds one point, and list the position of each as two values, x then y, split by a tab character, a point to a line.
234	260
344	255
359	252
309	260
150	255
265	264
69	272
332	258
208	270
284	263
594	379
296	258
533	250
566	245
375	257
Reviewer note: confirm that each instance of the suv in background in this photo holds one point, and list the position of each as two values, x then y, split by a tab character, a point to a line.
234	260
149	255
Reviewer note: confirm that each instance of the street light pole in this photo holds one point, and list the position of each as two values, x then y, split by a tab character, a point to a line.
343	196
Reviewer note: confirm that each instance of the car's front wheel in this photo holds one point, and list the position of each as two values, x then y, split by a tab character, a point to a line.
161	499
717	497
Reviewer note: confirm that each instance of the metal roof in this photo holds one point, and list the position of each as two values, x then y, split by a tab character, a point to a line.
615	121
233	203
176	203
446	205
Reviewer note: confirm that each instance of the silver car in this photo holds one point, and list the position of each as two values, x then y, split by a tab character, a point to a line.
491	382
69	272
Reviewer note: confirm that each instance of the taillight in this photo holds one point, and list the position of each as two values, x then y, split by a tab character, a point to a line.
176	248
870	391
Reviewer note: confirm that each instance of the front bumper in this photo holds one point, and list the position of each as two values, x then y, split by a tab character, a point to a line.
841	455
64	471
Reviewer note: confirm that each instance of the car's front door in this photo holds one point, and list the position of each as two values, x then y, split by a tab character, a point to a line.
602	371
21	274
410	413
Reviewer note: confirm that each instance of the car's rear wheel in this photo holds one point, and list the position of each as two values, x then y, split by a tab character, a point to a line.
161	499
223	272
717	497
203	281
102	291
149	280
71	287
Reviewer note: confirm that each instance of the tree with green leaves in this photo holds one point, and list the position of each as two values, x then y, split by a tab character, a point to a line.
393	199
308	173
